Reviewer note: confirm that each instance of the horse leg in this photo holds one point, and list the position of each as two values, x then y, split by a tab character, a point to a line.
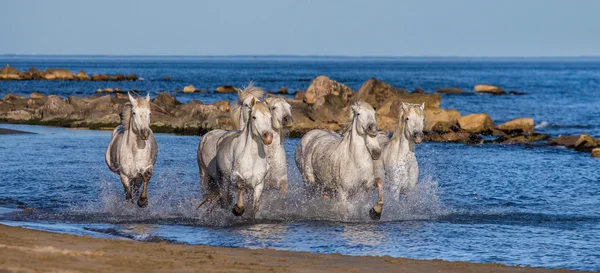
143	200
375	212
238	208
256	202
126	186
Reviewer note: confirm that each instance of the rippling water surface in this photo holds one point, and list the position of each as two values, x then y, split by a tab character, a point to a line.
534	205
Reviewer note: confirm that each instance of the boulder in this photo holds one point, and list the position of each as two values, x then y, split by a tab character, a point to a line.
489	89
476	123
283	91
166	102
82	76
100	77
460	137
377	93
433	115
55	108
300	95
132	77
567	141
36	95
444	127
595	152
25	76
322	88
517	126
165	78
11	97
226	89
18	116
118	77
586	143
189	89
9	73
418	91
451	90
59	74
222	105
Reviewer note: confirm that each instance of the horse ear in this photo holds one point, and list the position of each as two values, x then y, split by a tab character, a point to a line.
268	101
422	106
252	102
131	99
148	97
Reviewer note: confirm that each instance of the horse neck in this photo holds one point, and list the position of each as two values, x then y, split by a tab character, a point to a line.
130	135
251	142
400	142
353	142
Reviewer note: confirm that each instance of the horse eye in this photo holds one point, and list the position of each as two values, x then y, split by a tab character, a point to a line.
134	113
406	118
253	117
358	114
273	108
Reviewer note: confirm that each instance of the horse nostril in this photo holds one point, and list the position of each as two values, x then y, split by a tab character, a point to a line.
268	138
287	120
375	154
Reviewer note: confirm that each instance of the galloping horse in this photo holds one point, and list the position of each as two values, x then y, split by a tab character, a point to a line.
132	150
398	164
343	165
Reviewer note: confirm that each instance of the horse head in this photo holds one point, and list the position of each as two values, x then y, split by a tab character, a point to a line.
413	116
260	121
139	121
281	113
363	118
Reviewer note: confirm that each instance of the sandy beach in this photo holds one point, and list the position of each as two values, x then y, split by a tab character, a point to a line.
25	250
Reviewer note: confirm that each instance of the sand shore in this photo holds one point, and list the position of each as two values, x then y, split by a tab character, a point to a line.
25	250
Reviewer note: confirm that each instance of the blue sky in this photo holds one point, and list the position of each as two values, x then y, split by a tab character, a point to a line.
284	27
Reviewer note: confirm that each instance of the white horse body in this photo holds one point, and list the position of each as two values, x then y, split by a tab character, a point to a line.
343	165
281	113
398	164
132	150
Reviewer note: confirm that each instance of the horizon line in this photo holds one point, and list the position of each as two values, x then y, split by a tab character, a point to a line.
300	56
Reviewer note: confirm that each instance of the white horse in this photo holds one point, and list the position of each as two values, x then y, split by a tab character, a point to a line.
398	164
132	150
344	165
207	149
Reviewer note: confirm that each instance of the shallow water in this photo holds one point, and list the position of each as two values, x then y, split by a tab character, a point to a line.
508	204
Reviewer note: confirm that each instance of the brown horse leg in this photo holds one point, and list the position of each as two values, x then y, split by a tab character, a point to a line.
143	200
126	186
238	208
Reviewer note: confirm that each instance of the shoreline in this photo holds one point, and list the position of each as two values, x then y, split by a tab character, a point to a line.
28	250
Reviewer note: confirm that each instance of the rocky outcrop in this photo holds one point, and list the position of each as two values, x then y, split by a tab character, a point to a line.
56	108
451	90
581	143
189	89
9	73
59	74
323	89
476	123
378	93
36	95
595	152
489	89
82	76
517	126
226	89
434	115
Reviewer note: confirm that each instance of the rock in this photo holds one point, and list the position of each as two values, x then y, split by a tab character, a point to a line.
132	77
226	89
300	95
189	89
517	126
595	152
517	93
489	89
118	77
166	102
476	123
11	97
36	95
59	74
9	73
55	108
444	127
433	115
322	88
100	77
18	116
222	105
377	93
25	76
516	140
586	143
418	91
82	76
165	78
567	141
449	91
460	137
283	91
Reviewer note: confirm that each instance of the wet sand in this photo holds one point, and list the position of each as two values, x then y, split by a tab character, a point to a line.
25	250
4	131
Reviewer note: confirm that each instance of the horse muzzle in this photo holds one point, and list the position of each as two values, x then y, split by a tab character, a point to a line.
375	154
144	134
267	138
418	137
287	121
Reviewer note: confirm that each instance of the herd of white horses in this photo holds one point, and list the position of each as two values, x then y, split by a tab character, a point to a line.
251	158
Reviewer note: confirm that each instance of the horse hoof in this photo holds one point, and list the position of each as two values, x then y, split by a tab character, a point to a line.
143	202
237	211
375	212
